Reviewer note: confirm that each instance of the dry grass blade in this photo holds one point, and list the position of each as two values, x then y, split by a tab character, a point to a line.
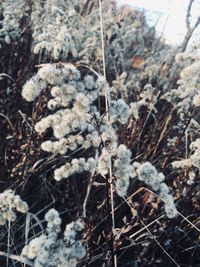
186	219
146	226
8	120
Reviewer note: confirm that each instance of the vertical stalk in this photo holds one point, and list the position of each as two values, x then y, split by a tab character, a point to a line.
110	179
8	242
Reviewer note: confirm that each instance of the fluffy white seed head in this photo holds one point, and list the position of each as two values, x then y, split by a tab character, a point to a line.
9	204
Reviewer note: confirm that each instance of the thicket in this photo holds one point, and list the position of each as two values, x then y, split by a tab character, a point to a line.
100	146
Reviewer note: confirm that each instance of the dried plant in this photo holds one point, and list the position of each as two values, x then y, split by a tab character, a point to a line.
108	164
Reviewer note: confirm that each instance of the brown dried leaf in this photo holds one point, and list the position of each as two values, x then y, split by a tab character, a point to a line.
137	62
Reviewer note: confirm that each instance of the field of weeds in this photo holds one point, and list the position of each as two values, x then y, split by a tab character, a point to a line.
99	138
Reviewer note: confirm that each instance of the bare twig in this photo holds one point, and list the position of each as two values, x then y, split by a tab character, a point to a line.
188	15
189	28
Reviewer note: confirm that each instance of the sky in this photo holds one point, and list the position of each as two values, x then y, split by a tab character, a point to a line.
170	15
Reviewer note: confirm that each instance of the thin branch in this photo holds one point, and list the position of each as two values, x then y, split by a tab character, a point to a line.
188	15
190	29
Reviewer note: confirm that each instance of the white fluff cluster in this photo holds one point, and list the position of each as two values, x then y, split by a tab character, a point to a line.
12	12
192	177
148	99
193	159
121	157
190	70
119	111
148	174
48	74
187	94
9	204
33	88
123	169
75	166
72	143
104	162
171	141
192	53
49	250
109	151
119	86
109	137
55	38
37	19
67	90
71	230
62	30
64	122
75	121
72	120
182	163
53	222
